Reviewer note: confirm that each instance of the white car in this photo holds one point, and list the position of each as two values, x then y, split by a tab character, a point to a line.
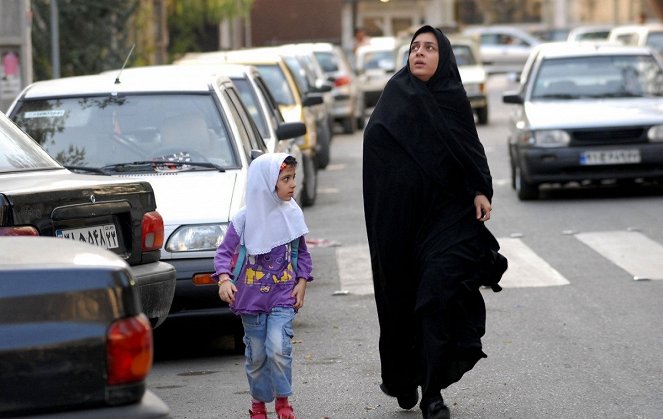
186	132
375	63
650	35
504	49
586	112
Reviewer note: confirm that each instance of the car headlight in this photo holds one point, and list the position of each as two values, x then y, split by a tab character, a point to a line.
655	133
551	138
194	238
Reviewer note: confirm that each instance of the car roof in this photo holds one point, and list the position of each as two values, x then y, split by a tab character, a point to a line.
150	79
582	48
644	28
257	56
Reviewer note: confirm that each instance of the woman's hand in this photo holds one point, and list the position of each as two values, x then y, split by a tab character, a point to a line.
299	292
482	206
227	289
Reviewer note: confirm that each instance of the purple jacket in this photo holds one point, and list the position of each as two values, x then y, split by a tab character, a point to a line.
265	281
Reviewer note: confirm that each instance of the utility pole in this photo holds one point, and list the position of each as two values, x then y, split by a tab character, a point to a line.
55	40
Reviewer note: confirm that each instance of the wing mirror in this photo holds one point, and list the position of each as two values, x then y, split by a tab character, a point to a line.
312	100
289	130
513	97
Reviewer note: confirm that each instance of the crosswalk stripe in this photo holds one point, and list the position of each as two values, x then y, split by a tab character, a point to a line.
354	269
526	268
630	250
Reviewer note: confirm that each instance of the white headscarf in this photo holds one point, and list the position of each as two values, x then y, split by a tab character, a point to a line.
266	221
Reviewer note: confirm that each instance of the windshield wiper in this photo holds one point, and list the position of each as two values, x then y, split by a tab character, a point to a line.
152	165
557	96
88	169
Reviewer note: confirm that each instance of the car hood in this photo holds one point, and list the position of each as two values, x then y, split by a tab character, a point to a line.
472	74
591	113
194	197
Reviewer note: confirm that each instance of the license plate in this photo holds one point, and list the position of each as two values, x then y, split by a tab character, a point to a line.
103	235
610	157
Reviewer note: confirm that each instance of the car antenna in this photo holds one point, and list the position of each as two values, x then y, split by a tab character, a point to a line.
117	79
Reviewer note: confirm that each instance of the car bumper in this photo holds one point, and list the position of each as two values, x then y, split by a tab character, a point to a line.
551	165
478	101
156	286
195	300
342	107
150	406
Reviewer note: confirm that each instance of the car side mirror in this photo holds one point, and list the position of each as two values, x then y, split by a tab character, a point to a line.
289	130
312	100
323	87
513	98
255	153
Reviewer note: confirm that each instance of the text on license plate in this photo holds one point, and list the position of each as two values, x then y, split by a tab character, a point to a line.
103	235
610	157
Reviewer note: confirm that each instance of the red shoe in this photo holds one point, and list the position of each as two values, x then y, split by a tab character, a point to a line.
284	409
258	410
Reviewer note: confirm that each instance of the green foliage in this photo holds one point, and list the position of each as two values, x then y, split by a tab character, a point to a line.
93	36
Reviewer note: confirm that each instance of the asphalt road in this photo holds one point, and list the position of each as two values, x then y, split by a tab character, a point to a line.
572	335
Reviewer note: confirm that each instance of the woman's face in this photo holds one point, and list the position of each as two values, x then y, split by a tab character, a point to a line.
424	56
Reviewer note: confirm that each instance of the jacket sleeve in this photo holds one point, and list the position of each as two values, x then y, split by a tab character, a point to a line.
304	261
224	253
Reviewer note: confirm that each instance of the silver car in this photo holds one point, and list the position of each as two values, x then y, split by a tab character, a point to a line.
586	112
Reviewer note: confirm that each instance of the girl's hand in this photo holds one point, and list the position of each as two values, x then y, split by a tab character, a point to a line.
299	292
227	289
482	206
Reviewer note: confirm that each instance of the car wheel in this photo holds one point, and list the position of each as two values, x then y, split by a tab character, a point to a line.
324	149
482	115
349	125
310	191
526	191
513	175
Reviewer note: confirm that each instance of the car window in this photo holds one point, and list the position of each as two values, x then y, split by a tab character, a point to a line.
250	100
98	131
598	76
272	105
463	54
328	61
383	60
298	72
655	41
278	84
19	152
247	130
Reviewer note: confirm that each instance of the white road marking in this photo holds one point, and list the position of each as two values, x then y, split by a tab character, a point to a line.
354	269
630	250
526	268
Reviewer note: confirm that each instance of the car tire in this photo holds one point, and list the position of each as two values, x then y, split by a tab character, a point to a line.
526	191
349	125
482	115
310	192
324	149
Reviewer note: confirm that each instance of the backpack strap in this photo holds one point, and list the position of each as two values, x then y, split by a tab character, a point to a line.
239	263
294	253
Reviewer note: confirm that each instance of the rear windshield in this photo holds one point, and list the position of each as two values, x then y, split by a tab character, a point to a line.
100	131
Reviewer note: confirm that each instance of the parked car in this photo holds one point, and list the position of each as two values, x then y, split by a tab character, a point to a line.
586	112
294	105
278	135
348	102
74	341
504	49
311	81
471	71
650	35
375	63
589	33
551	34
186	132
39	197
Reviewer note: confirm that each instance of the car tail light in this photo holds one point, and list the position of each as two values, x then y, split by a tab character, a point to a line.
18	231
342	81
129	350
152	231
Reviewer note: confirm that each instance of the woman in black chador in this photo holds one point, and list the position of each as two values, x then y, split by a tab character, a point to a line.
427	194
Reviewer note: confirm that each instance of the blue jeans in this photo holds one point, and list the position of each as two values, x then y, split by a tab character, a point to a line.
268	340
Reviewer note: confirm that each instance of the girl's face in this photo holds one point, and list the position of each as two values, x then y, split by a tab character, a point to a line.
424	56
285	185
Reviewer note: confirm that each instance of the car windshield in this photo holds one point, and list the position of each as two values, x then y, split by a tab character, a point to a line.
328	61
598	77
277	83
110	131
379	60
18	152
463	54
